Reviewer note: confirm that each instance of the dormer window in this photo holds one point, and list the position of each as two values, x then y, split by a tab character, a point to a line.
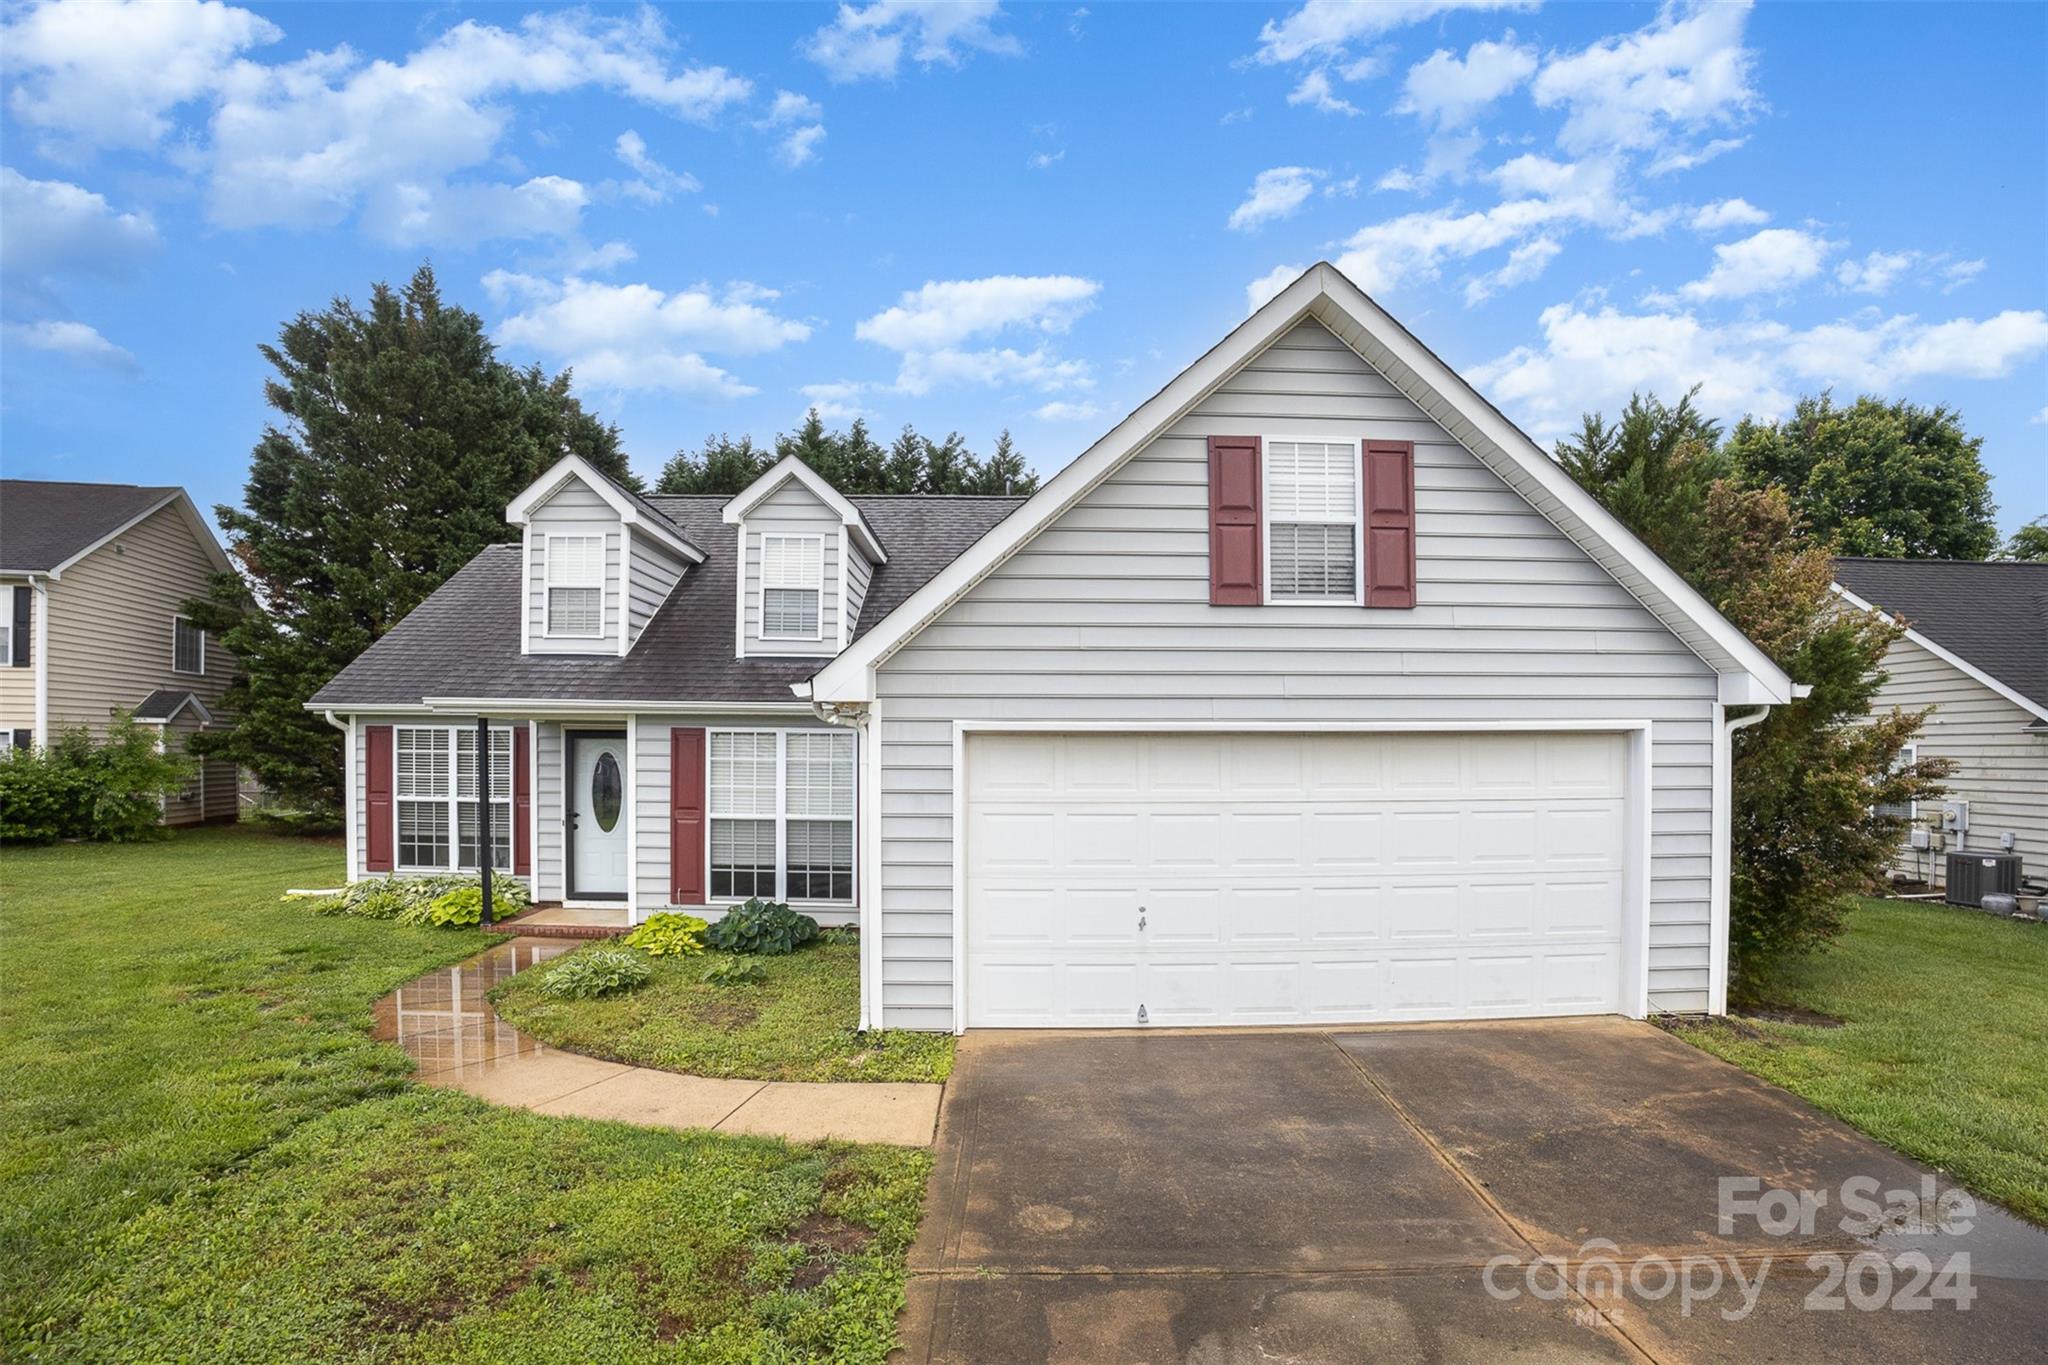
575	585
792	586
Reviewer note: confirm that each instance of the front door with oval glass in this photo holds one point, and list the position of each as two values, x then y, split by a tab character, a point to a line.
597	815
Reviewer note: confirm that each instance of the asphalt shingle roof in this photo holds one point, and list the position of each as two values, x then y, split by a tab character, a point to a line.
1995	615
45	522
463	641
164	704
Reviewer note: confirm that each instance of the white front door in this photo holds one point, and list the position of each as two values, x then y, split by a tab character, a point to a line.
1294	878
597	816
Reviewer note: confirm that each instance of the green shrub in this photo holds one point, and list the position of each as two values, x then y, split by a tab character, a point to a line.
594	972
668	935
765	927
84	787
463	906
726	970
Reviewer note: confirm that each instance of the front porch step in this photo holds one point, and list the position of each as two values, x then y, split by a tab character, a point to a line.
557	921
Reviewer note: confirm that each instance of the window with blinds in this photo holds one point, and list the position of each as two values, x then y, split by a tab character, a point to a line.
781	812
435	790
1311	501
575	586
792	586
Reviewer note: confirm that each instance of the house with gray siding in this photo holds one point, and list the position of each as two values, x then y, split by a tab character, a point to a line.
1974	656
93	582
1311	692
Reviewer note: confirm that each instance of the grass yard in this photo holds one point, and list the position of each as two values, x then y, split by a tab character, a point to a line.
797	1024
203	1155
1943	1053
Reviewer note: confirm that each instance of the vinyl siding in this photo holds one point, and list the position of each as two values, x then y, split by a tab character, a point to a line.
655	571
549	870
110	625
2001	770
574	510
189	806
792	510
1105	616
358	759
858	574
17	685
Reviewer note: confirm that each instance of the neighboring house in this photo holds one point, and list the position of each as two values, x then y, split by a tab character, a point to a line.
93	581
1314	691
1976	650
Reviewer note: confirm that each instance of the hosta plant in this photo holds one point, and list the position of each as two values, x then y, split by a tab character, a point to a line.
726	970
768	928
593	972
668	935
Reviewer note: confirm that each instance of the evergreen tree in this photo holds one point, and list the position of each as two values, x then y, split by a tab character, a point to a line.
948	465
1876	478
400	439
1003	471
1652	469
822	450
863	460
723	466
904	470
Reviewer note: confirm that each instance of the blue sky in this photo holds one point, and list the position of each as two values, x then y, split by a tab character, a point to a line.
974	217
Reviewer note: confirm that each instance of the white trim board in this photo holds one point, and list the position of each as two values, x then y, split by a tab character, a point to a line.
1947	656
790	467
1635	985
521	509
1323	293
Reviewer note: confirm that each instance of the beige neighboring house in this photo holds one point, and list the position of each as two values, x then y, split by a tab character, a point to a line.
93	577
1976	651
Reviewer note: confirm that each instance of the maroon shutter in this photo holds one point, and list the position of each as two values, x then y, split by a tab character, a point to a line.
377	797
522	800
1234	521
686	816
1390	523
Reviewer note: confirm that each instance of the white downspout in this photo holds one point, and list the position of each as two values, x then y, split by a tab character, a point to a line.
42	660
1722	859
348	788
867	841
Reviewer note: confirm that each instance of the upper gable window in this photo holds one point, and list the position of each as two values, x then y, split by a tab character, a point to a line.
188	647
792	586
1311	500
575	585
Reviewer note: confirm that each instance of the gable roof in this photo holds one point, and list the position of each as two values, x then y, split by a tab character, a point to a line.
790	467
1988	619
634	509
47	525
462	643
1322	292
164	704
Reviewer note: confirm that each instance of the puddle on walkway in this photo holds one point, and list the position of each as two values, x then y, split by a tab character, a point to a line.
445	1023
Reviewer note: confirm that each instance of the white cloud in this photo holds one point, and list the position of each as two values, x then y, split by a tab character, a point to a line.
1877	272
928	327
1326	28
804	117
868	42
1525	263
1041	161
1960	273
55	228
654	182
408	213
101	74
1770	260
2040	418
790	107
835	402
1275	194
1592	360
801	146
1685	71
313	141
73	340
1727	213
1262	289
1314	91
1684	159
1060	410
635	336
1451	91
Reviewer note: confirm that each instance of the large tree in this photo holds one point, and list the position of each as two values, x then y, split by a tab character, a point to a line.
1889	479
399	439
853	462
2030	542
1809	779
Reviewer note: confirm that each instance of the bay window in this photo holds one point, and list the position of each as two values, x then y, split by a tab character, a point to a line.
436	798
1311	521
781	810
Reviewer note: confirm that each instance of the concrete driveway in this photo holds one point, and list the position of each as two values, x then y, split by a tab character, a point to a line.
1303	1196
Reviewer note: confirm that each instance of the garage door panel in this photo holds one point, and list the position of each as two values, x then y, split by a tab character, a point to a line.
1290	878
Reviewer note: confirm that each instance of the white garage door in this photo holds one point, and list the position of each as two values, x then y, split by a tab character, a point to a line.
1293	878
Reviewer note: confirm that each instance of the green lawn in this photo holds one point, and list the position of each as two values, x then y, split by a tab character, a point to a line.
797	1024
203	1156
1944	1050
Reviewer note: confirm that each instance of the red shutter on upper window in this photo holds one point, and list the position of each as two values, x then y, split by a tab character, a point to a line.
522	799
377	797
1234	521
686	816
1390	523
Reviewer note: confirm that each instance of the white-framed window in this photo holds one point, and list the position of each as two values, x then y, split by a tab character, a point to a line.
435	795
792	587
188	647
1312	524
6	741
781	814
575	586
1909	810
7	640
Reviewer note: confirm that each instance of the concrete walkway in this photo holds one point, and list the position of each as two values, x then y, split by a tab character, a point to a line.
449	1029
